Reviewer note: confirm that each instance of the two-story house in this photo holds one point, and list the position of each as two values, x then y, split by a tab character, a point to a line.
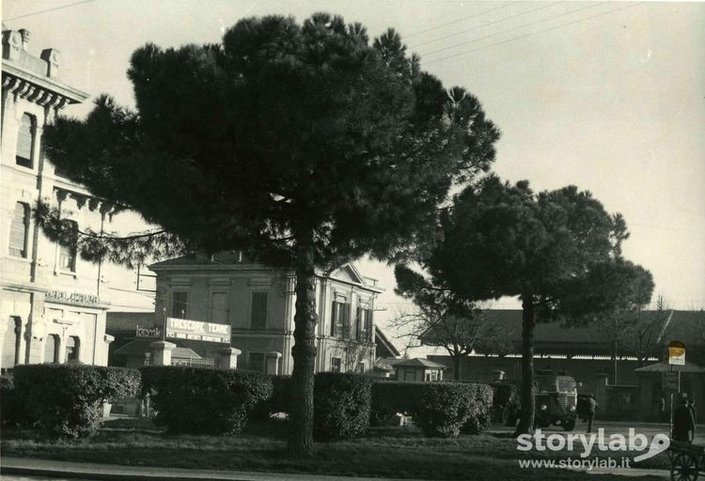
259	303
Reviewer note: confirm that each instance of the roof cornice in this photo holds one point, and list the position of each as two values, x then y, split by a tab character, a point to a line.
38	89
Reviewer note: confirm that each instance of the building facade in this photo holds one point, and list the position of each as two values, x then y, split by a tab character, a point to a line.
259	304
52	303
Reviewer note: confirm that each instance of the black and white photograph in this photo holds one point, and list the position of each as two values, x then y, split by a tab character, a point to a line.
326	240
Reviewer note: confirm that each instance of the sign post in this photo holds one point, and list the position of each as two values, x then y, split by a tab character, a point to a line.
676	357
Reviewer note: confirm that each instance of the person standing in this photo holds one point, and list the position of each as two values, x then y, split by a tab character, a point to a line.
691	406
590	411
683	422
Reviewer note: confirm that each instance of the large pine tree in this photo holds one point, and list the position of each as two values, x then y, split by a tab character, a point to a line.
558	251
303	145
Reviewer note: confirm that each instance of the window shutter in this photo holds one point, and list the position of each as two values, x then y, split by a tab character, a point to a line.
358	322
259	310
18	230
333	318
25	139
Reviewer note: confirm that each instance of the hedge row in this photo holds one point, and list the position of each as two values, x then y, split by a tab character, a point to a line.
341	404
204	401
66	400
439	409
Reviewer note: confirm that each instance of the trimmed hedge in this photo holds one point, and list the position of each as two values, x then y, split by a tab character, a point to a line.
391	397
438	409
66	400
12	409
341	405
278	402
202	400
480	417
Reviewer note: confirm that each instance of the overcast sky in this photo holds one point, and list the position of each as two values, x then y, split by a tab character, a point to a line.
608	96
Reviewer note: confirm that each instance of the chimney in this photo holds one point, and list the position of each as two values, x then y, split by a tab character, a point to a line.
52	57
11	44
25	38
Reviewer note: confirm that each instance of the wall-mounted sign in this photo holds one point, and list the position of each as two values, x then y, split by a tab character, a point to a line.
676	353
197	330
148	332
72	298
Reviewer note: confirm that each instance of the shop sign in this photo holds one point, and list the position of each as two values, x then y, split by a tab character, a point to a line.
676	353
197	330
72	298
148	332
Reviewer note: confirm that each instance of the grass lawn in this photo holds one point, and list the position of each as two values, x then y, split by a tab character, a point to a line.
384	452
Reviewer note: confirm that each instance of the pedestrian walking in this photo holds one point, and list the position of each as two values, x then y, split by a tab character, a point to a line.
591	409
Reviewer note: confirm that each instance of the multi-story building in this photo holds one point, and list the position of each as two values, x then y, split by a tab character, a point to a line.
52	303
259	304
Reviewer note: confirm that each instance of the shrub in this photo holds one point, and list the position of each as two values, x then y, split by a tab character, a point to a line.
480	417
504	394
444	409
391	397
120	382
204	401
278	402
66	399
342	405
12	409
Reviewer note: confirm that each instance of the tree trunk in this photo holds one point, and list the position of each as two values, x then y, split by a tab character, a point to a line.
528	402
614	362
456	366
304	354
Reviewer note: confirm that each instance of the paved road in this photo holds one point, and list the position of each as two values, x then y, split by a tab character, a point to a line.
27	468
616	427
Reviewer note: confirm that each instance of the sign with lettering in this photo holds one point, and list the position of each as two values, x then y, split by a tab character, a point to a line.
670	382
676	353
197	330
72	298
148	332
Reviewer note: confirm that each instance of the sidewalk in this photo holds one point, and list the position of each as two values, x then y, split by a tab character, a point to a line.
109	472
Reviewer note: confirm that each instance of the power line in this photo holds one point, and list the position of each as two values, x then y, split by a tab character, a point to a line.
39	12
461	19
512	29
532	33
543	7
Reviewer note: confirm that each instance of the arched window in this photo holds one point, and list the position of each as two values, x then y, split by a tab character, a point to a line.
25	141
51	349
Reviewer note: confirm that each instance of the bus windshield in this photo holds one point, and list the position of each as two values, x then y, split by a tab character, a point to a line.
566	385
546	383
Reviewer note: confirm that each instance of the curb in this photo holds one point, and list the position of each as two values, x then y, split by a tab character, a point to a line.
109	472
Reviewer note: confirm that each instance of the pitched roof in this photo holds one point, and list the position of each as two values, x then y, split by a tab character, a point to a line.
557	338
664	367
383	341
419	362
